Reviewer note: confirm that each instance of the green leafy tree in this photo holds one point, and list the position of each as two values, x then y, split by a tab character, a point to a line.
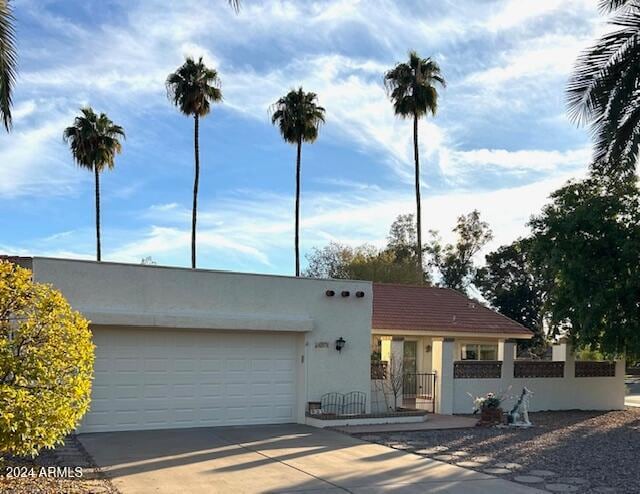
298	117
402	238
587	241
455	262
513	284
192	88
8	61
412	88
602	91
46	364
331	261
94	141
393	264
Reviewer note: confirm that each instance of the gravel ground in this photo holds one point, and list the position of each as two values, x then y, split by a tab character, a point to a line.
70	455
590	452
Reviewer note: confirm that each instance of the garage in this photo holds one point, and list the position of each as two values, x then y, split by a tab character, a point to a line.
186	348
171	378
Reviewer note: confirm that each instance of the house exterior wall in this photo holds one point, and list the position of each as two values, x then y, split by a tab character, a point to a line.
550	393
124	295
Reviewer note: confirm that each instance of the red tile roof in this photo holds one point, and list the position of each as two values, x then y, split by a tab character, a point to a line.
423	308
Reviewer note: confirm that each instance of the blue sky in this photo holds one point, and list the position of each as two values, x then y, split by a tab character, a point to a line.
500	143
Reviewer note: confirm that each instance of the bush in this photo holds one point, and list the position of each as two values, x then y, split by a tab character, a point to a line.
46	364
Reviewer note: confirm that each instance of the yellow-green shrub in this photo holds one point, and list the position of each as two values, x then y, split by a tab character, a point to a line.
46	364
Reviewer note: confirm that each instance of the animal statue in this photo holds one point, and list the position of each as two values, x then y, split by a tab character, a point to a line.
519	414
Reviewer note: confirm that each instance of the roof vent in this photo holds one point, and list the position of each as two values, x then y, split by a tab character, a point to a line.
472	305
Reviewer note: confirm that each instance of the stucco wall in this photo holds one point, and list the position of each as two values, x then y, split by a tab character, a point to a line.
589	393
153	296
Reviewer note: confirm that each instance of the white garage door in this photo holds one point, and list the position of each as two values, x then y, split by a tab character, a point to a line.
155	379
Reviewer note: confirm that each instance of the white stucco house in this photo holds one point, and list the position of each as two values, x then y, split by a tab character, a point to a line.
180	347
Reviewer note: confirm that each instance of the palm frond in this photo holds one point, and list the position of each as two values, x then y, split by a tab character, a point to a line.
298	116
235	5
607	6
603	90
94	140
193	87
8	62
411	86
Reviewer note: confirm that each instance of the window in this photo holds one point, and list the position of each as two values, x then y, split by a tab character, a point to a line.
479	352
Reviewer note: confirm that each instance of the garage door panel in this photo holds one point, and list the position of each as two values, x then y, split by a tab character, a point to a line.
150	379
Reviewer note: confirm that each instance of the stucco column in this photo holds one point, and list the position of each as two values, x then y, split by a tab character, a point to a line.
443	357
563	352
506	353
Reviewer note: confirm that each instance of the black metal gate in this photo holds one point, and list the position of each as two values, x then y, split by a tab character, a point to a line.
420	387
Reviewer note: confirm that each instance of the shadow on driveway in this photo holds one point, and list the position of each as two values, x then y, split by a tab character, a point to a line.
280	458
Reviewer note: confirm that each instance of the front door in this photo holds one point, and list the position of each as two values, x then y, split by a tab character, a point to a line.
409	365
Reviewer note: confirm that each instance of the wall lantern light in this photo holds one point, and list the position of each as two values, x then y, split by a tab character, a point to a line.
340	344
329	293
427	349
359	294
345	293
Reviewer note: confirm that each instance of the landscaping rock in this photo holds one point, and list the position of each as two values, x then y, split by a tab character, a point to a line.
482	459
497	471
432	451
444	457
557	487
528	479
470	464
601	447
543	473
510	466
572	480
459	454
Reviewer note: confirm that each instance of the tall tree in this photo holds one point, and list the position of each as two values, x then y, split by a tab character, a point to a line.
412	88
298	117
603	90
8	62
455	262
513	284
94	141
193	87
394	263
587	241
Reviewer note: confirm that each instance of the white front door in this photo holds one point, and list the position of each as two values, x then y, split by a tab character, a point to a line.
157	378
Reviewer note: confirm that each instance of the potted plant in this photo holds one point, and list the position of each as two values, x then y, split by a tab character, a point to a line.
489	408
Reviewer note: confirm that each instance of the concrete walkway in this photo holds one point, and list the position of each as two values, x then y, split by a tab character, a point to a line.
275	459
432	422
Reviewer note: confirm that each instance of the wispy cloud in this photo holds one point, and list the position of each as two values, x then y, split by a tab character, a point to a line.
506	64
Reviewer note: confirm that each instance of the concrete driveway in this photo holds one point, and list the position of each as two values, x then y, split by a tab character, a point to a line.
283	458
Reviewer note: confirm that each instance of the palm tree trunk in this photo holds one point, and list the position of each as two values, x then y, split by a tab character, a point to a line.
297	234
98	249
418	204
196	129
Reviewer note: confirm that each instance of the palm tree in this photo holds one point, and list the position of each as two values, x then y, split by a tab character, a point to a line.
192	88
8	62
94	141
412	89
603	90
298	118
